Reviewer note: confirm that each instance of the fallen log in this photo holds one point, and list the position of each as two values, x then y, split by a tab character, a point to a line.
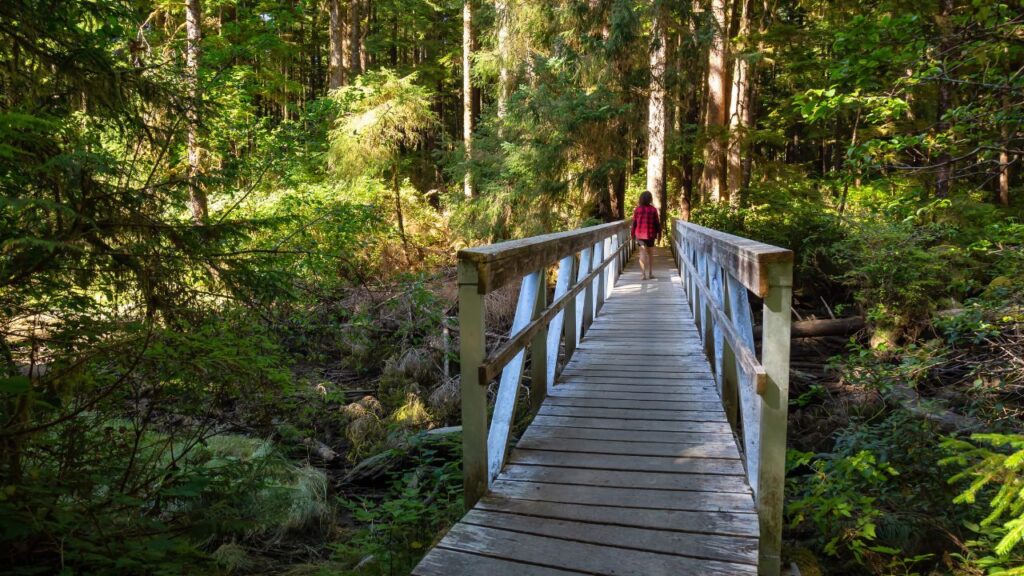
935	412
822	328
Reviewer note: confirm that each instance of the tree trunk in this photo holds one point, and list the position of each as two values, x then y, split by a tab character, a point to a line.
502	16
739	110
713	181
336	63
617	192
656	115
355	36
394	41
945	169
364	28
193	32
467	94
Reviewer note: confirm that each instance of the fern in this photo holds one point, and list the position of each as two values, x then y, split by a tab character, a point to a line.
994	466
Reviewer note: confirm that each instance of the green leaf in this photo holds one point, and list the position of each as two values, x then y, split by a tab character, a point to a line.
15	385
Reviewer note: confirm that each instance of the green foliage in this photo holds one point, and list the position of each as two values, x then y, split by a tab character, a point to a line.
382	113
897	271
991	468
874	502
421	501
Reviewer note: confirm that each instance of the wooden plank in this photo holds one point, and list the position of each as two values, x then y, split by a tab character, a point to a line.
625	357
678	379
447	562
591	558
726	523
705	387
670	464
628	497
720	428
633	413
638	369
633	403
684	395
638	436
600	330
541	441
713	547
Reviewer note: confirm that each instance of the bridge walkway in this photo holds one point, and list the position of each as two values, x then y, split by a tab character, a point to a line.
629	467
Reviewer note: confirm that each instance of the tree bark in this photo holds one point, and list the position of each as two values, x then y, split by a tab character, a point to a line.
501	8
355	36
467	95
656	114
945	169
193	32
739	110
336	64
713	185
365	12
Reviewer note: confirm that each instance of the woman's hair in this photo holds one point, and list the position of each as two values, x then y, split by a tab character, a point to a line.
646	198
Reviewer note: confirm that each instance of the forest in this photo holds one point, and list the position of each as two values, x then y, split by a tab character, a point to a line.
228	236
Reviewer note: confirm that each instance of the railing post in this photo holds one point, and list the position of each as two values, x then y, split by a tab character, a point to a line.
539	348
556	329
571	323
598	281
585	300
775	337
511	377
472	347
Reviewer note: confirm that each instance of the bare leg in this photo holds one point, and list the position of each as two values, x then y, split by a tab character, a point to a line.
643	262
650	266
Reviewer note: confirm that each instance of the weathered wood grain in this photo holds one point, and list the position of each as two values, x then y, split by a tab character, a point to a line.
714	547
627	497
726	523
447	562
590	558
670	464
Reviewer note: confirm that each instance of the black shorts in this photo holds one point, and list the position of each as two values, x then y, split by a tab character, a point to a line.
647	243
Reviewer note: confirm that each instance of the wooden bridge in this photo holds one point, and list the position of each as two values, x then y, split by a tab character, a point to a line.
657	444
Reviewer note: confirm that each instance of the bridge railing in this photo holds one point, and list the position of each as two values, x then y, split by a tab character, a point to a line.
588	260
718	272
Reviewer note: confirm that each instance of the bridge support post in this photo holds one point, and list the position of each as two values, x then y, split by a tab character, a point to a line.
472	348
598	281
571	324
774	410
539	348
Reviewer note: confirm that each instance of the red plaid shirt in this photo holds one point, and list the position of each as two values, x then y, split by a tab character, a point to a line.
646	224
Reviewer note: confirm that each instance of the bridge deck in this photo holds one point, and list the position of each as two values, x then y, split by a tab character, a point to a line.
629	467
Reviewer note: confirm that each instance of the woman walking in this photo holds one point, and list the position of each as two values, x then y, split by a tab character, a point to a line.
646	231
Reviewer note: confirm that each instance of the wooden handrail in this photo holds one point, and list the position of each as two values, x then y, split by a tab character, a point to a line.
497	359
717	271
746	357
588	261
745	259
498	264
